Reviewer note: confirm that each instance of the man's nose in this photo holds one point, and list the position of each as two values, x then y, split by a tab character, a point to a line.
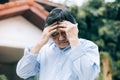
61	37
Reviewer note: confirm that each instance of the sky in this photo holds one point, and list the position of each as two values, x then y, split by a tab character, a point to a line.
69	2
78	2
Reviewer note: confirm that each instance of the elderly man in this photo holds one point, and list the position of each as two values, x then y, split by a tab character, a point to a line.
65	57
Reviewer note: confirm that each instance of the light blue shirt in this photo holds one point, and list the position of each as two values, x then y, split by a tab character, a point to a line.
52	63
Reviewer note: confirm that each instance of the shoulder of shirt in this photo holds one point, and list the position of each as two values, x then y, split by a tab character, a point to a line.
86	42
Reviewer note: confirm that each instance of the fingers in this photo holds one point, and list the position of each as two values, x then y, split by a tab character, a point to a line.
53	24
53	31
51	27
65	26
62	29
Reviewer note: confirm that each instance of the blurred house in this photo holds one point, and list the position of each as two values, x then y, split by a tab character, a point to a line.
21	25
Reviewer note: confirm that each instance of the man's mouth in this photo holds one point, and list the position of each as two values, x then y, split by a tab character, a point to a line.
63	42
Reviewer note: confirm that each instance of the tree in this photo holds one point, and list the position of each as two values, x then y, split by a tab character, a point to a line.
100	22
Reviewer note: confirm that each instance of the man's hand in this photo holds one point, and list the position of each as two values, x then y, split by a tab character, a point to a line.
44	38
71	31
47	33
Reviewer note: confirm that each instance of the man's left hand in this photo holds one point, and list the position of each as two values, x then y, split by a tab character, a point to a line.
71	31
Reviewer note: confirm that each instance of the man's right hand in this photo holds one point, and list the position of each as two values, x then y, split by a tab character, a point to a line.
44	38
47	33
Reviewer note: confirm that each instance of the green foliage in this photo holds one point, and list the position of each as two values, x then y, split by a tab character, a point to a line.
112	11
118	1
3	77
100	22
95	3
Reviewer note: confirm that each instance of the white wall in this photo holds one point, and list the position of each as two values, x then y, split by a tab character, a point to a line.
18	32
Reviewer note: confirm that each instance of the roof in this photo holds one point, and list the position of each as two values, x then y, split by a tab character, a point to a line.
29	9
48	5
34	11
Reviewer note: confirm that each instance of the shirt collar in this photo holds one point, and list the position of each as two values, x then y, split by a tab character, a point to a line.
64	49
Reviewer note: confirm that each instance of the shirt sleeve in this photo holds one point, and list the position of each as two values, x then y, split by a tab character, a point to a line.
86	60
27	65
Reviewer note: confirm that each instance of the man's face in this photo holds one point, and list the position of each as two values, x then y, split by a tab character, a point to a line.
60	38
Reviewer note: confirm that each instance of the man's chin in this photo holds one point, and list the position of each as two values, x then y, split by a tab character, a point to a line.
63	46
